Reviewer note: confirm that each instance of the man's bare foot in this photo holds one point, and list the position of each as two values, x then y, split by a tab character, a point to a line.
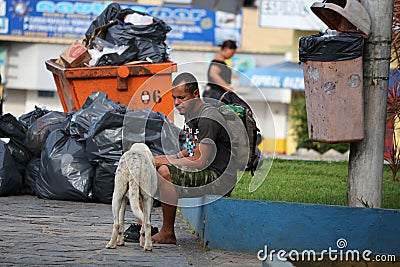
164	238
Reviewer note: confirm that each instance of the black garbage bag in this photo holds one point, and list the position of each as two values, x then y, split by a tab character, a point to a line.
10	178
142	49
65	172
104	139
13	129
10	127
39	130
103	181
110	59
156	31
153	128
146	42
95	105
110	13
124	34
20	154
30	117
30	177
320	47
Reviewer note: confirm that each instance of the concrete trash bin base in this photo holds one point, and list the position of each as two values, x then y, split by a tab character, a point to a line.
334	100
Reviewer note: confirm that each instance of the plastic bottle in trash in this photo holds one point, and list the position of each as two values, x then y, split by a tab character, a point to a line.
138	19
330	33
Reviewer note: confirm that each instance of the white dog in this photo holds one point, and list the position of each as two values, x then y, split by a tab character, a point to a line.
135	178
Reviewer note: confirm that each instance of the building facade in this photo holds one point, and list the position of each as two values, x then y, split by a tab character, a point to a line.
28	83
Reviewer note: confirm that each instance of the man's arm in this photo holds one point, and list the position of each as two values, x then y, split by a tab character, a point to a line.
166	159
204	154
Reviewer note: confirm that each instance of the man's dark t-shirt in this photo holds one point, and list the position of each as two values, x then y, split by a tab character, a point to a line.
208	125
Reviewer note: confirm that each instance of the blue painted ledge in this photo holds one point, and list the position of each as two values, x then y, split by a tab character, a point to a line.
249	226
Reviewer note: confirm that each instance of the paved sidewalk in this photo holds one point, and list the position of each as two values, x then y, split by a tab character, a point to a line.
40	232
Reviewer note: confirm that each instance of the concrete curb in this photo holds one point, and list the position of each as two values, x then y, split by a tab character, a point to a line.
288	226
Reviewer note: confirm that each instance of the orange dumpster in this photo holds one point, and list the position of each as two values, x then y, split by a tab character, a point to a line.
138	86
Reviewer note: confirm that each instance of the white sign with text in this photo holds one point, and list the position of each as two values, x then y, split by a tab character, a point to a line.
289	14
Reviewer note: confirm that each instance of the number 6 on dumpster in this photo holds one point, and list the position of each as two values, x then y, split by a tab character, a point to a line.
159	100
156	96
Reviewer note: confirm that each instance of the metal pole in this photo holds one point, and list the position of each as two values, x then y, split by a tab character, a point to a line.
366	157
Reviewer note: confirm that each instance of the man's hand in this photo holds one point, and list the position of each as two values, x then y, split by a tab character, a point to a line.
161	160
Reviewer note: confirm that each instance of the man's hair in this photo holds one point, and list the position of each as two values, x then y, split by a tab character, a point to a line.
188	80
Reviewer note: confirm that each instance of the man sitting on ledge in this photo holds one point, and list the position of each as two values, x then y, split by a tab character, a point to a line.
204	161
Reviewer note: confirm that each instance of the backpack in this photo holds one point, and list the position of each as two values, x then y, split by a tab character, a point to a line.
244	149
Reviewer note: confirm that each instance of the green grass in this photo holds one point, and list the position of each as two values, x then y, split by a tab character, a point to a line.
316	182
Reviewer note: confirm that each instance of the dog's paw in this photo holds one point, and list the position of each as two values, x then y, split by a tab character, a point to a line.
120	241
111	245
148	248
148	245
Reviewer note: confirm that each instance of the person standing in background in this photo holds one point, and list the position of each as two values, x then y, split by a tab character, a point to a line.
219	74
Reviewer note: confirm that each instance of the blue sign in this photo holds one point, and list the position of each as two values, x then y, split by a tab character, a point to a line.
59	19
47	19
283	75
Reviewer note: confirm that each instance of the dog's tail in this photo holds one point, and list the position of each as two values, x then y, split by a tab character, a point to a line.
134	190
135	203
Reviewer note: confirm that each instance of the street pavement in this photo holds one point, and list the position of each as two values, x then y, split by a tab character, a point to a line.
42	232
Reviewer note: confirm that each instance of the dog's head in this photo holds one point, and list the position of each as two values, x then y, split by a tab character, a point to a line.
144	149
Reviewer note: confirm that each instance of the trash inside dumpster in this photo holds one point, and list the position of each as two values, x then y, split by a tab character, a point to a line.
143	34
128	61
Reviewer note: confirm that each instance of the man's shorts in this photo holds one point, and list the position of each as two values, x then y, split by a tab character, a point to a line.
189	177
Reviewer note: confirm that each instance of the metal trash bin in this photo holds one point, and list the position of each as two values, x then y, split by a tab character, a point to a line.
334	100
333	73
136	85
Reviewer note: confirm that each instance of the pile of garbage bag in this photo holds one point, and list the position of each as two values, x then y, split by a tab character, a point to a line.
73	156
118	36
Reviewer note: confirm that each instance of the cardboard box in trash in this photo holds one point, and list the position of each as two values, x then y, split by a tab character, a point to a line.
76	55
